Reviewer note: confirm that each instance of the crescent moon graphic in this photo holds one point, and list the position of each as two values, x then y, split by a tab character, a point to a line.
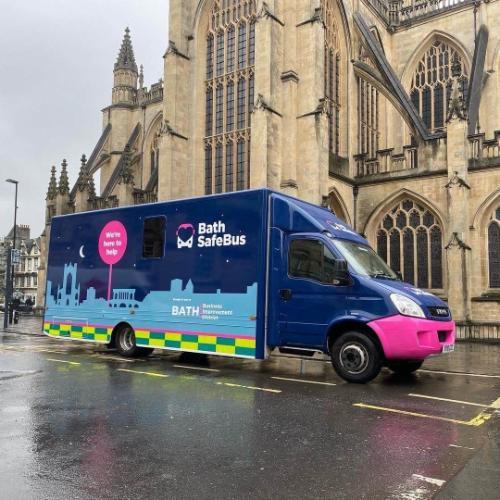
82	255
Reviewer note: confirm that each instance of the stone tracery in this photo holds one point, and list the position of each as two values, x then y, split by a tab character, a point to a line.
410	240
229	99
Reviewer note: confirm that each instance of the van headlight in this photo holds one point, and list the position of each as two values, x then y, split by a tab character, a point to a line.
406	306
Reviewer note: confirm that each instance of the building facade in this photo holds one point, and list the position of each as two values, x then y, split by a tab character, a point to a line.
26	272
382	110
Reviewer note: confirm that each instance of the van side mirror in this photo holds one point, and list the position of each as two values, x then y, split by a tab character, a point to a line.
341	274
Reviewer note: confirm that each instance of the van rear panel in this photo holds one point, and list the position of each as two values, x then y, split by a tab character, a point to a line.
186	275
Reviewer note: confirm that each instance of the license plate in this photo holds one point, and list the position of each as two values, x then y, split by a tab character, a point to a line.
448	348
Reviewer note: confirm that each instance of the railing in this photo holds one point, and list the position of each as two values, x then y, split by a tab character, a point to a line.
387	161
478	331
102	203
484	150
396	12
142	197
145	96
411	9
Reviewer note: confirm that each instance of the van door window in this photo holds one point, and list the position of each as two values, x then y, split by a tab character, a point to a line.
154	238
310	259
328	266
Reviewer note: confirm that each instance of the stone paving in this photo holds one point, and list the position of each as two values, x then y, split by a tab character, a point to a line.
27	324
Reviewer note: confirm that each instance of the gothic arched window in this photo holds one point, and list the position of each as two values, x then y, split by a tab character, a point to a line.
368	113
229	89
432	82
410	240
494	249
368	110
332	75
336	206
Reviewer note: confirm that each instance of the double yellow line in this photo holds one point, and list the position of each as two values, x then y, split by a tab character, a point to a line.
476	421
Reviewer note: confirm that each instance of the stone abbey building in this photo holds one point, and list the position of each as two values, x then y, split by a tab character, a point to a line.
386	111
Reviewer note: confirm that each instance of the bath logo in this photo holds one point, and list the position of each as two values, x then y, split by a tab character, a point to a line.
185	236
213	235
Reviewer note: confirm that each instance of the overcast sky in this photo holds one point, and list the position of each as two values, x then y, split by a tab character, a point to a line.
56	60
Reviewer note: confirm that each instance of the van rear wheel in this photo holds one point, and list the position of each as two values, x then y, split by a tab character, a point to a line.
404	367
126	346
356	358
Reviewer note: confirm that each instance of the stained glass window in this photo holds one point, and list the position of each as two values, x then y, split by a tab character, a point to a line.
209	119
208	169
408	255
423	258
240	167
229	167
431	84
230	107
382	244
395	250
231	44
436	257
332	75
218	168
219	108
229	94
494	249
210	56
410	240
242	92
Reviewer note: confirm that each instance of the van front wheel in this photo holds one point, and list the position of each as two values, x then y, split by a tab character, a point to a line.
356	358
126	346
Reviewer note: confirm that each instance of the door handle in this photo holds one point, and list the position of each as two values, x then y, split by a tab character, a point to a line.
285	294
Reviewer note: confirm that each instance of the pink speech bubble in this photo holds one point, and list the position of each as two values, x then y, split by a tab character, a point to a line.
112	247
113	242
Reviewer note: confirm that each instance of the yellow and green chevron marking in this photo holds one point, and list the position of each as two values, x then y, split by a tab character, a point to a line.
209	344
90	333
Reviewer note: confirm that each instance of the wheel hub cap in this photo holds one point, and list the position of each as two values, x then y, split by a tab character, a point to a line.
127	340
354	358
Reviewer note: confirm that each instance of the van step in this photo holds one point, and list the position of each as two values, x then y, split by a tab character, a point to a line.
297	351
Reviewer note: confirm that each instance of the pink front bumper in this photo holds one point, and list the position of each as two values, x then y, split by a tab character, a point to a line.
413	338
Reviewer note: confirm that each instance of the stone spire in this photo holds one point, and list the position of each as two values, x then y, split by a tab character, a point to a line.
85	188
92	191
82	180
141	77
126	56
52	192
63	179
125	74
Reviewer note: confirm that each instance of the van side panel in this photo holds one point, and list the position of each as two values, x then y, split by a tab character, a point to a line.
204	291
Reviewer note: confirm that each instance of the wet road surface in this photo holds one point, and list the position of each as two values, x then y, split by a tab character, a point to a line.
78	421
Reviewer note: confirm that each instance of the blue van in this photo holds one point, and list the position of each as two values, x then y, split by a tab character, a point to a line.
241	275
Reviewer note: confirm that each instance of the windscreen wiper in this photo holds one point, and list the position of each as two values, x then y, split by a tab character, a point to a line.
382	275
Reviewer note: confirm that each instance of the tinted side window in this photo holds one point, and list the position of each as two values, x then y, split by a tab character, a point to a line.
154	238
312	260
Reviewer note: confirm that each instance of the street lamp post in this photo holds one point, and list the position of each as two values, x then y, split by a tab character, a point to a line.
9	278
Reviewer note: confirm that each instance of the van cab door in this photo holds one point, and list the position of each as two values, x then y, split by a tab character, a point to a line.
309	297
